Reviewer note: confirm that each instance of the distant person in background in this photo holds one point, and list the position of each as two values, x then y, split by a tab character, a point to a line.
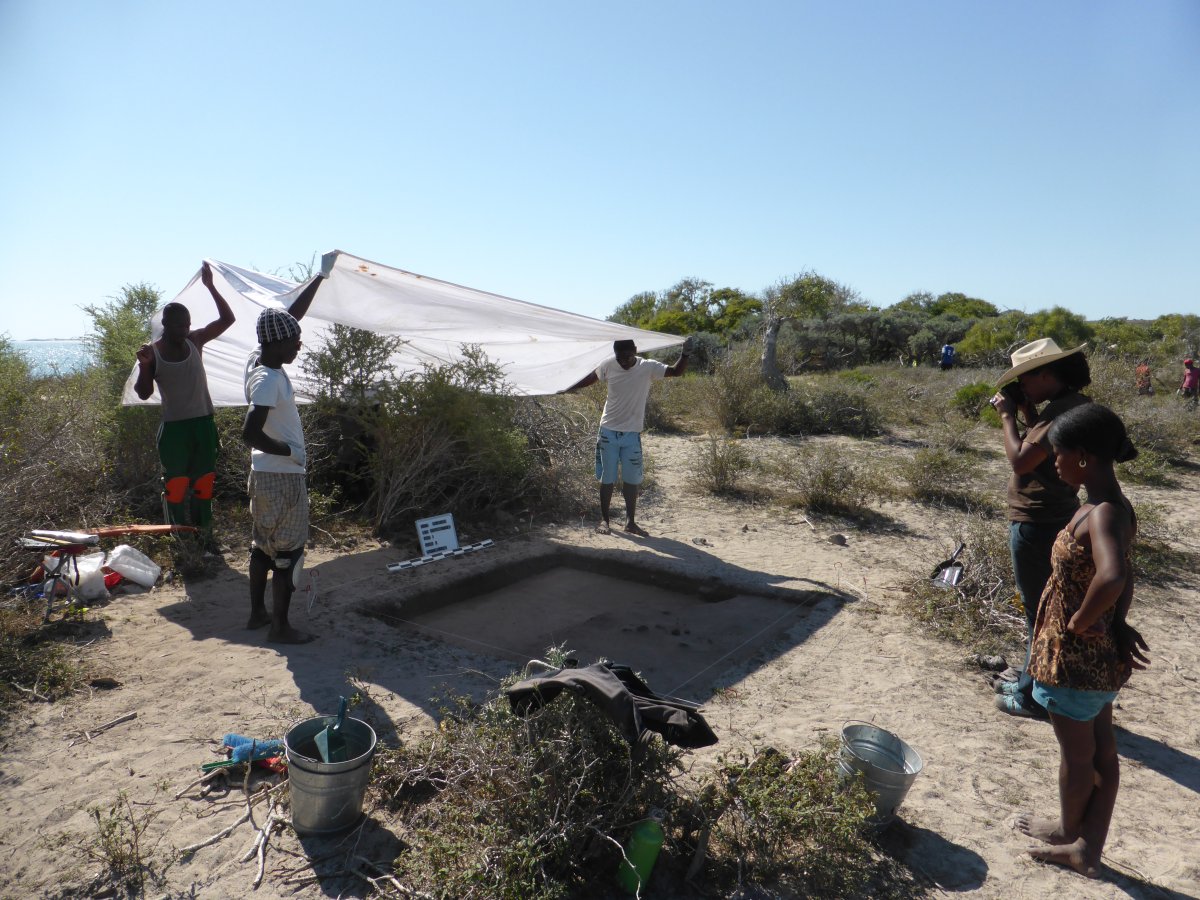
619	444
1189	388
277	487
947	356
187	437
1040	503
1142	378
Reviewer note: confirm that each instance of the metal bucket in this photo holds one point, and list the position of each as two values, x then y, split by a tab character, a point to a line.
889	766
327	796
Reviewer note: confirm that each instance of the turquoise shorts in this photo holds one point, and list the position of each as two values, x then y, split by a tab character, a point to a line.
621	449
1082	706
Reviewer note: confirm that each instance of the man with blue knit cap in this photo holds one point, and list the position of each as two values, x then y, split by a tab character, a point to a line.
278	493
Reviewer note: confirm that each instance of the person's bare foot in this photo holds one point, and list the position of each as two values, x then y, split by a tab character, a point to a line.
258	618
603	528
635	528
1073	855
1040	828
289	635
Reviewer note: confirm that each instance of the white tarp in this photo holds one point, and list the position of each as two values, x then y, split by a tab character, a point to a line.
541	350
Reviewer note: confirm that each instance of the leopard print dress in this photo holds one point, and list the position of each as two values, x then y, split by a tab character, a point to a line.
1088	662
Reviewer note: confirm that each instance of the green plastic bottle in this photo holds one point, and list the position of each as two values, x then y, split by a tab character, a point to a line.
640	854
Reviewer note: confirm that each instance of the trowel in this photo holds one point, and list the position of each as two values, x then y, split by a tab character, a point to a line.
949	572
331	743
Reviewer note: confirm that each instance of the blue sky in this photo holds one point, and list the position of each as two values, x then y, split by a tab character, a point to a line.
574	154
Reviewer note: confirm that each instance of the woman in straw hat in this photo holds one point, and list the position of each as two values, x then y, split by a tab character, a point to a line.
1040	503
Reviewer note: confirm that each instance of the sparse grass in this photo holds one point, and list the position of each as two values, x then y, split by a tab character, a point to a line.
823	478
119	844
34	665
718	465
983	612
942	477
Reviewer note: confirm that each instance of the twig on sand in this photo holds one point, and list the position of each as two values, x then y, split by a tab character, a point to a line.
88	735
224	832
32	692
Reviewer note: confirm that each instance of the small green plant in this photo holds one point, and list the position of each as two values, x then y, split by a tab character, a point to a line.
718	465
785	823
121	847
972	399
824	479
938	476
34	664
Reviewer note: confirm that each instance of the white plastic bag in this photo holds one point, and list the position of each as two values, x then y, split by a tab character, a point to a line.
88	582
134	565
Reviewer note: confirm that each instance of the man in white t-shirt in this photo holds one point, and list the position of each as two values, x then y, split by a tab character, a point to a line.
278	493
619	444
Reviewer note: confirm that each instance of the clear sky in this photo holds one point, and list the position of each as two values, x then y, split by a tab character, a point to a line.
572	154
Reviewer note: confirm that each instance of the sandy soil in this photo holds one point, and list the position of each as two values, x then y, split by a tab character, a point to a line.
809	640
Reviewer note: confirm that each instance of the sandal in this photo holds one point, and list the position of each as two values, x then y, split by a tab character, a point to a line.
1011	704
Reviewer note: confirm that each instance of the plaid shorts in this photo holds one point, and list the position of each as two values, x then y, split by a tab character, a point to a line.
279	509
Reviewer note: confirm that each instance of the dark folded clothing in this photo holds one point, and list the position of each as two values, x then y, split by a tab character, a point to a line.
624	698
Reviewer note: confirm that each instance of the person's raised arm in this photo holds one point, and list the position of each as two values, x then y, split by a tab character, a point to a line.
225	316
681	364
1022	456
301	304
144	386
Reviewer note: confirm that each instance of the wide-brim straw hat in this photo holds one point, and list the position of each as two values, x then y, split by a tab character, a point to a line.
1034	355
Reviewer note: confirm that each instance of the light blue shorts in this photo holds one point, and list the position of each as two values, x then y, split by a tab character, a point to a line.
1082	706
621	449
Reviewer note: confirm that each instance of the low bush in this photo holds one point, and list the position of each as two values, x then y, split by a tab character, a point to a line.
983	611
496	805
787	824
822	478
718	465
941	477
972	399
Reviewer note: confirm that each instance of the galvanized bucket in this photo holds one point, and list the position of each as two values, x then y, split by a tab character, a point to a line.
327	796
889	766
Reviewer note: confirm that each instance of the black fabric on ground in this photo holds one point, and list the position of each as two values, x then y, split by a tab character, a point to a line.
624	698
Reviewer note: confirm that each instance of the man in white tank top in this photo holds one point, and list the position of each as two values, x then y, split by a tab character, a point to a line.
187	437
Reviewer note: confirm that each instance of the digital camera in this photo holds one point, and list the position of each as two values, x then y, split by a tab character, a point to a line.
1013	392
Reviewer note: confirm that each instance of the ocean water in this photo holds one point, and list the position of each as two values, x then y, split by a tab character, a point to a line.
54	357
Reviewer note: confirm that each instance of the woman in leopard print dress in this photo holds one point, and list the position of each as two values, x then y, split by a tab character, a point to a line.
1083	650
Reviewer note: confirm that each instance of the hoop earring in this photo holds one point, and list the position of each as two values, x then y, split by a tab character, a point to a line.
1083	464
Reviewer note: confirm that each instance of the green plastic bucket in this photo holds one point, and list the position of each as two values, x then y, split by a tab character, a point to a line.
328	797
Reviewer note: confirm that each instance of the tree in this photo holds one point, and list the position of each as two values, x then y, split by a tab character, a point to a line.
804	296
121	326
638	311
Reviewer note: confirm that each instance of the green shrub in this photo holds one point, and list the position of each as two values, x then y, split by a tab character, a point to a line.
972	399
500	806
936	475
788	824
446	440
823	479
718	464
834	409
